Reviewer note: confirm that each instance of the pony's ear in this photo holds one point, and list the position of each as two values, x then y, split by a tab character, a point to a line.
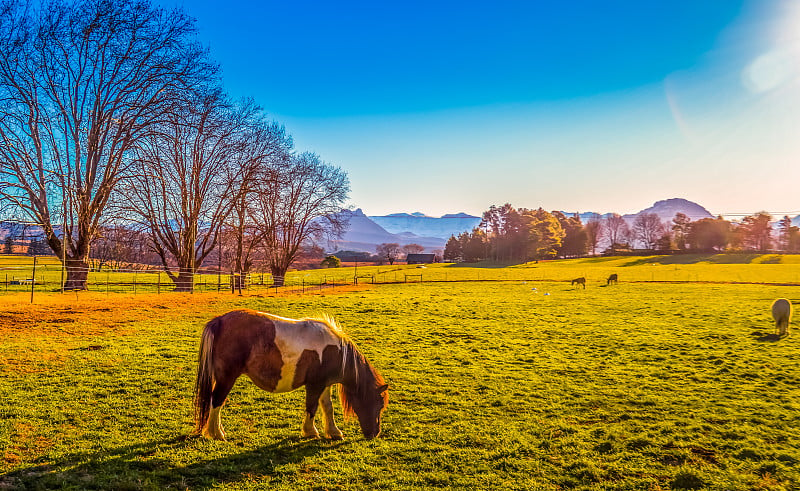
383	388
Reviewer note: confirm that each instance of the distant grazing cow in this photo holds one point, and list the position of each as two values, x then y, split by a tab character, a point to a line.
580	281
782	313
612	279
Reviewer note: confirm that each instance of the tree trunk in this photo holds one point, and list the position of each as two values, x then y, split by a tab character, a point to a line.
278	275
184	282
77	273
239	282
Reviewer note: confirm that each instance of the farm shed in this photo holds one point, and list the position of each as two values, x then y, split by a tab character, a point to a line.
420	258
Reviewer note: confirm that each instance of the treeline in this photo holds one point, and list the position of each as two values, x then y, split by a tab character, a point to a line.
115	127
510	234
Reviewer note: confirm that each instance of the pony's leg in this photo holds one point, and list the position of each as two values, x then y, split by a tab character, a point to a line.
331	431
213	427
312	402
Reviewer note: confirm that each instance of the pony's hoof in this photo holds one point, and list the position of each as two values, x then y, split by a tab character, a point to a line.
214	436
336	437
309	435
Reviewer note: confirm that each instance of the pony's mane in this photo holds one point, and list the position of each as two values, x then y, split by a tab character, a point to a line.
366	378
330	322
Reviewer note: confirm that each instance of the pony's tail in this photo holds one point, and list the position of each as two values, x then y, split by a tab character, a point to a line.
204	383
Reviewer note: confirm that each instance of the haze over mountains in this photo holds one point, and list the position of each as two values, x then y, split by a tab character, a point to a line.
365	232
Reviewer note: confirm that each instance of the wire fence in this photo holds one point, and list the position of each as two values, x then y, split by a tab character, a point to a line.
49	276
46	275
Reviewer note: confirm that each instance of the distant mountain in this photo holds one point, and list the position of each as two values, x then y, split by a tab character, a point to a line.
796	221
415	214
21	231
423	225
363	234
667	208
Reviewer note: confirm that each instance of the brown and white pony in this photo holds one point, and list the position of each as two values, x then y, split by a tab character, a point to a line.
280	355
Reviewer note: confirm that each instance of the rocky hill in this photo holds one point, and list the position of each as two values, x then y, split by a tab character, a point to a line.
423	225
667	208
363	234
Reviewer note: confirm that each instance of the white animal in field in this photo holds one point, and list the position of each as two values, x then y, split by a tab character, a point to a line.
782	313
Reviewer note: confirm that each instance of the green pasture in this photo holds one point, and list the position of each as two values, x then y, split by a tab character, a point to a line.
719	268
670	380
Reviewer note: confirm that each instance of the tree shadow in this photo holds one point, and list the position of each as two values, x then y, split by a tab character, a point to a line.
486	264
702	258
139	465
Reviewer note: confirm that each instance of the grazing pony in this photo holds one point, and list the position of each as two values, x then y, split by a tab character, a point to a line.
782	313
280	355
580	281
612	279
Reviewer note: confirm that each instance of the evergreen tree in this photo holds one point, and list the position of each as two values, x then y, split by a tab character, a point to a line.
452	250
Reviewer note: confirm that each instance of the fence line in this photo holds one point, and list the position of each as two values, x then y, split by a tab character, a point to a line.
47	277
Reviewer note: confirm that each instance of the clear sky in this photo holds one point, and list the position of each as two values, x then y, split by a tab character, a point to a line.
444	107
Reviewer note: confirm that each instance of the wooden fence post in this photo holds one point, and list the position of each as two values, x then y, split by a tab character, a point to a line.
33	277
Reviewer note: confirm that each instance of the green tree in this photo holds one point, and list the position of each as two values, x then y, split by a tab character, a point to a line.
543	234
452	250
680	227
709	234
331	262
576	239
664	243
756	231
505	232
787	232
473	245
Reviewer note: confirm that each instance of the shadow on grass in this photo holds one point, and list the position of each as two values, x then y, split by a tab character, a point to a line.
702	258
140	465
486	264
767	337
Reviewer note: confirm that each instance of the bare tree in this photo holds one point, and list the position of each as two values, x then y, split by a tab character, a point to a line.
648	229
117	246
266	150
388	251
299	204
181	188
80	84
413	249
616	230
594	230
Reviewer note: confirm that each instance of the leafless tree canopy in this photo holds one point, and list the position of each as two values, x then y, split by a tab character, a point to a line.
266	153
594	230
388	251
302	202
80	85
616	229
184	177
413	249
647	228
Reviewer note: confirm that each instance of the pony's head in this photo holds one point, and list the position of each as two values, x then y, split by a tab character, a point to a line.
368	408
364	393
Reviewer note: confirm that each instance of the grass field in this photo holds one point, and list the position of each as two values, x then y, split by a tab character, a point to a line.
669	380
722	268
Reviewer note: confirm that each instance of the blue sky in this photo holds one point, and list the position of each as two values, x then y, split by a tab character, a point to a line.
583	106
